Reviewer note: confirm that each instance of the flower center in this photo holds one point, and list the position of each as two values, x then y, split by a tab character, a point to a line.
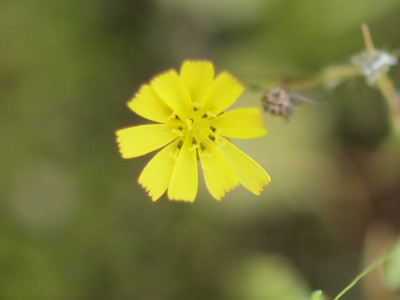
197	130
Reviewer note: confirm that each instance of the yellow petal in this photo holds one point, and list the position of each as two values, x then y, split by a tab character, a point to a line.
156	175
147	104
218	174
171	90
242	123
184	180
198	77
251	175
224	92
139	140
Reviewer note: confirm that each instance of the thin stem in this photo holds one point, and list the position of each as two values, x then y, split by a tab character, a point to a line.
367	37
369	269
386	86
392	97
360	276
329	76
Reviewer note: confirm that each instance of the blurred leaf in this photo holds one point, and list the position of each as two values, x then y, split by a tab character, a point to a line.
263	277
317	295
391	268
74	222
213	13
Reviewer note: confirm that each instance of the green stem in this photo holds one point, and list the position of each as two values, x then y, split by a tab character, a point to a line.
369	269
392	97
329	76
386	86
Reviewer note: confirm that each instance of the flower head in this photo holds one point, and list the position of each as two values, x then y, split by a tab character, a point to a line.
282	102
374	64
191	125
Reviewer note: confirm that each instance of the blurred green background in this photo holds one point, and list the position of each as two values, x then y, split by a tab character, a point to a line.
74	224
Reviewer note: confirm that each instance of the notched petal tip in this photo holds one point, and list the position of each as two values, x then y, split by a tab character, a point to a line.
166	73
257	192
190	63
147	104
197	77
218	191
188	197
191	200
251	175
120	143
225	91
153	196
139	140
222	195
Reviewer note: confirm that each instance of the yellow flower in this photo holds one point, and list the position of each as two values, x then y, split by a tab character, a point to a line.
191	126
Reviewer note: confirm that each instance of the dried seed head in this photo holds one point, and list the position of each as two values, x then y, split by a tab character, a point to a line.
282	102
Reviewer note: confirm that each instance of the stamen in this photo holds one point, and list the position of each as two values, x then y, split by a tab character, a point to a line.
178	131
204	151
174	154
173	116
189	123
213	129
197	105
211	137
194	144
211	114
205	116
195	108
180	144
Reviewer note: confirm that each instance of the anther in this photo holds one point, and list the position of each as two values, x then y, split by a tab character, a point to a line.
211	137
211	114
189	123
178	131
173	116
180	144
213	129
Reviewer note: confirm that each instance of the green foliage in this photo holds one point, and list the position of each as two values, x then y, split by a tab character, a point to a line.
317	295
266	277
75	225
391	268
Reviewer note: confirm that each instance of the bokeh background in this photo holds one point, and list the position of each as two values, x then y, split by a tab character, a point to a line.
74	224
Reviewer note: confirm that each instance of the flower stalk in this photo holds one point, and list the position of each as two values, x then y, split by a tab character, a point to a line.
385	86
373	64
